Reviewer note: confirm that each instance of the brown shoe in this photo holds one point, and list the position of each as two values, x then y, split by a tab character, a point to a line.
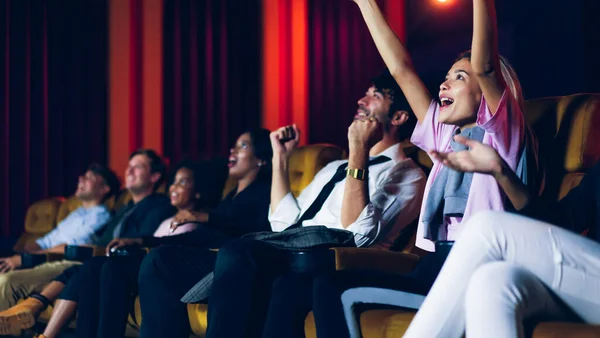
19	317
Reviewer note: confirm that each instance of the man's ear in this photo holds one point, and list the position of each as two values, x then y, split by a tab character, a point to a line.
155	178
399	117
104	189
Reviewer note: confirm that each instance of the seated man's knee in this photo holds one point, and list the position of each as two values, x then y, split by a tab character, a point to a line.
235	251
153	264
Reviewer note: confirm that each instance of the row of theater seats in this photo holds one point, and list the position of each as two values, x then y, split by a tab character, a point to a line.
565	127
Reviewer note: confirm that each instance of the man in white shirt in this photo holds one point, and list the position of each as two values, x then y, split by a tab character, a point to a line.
78	228
374	202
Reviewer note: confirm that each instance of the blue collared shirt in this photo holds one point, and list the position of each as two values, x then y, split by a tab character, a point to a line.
78	228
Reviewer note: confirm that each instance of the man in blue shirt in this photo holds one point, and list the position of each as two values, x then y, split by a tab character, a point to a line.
79	228
139	218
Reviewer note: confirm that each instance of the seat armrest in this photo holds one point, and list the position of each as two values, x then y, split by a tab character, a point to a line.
54	256
374	259
559	330
99	251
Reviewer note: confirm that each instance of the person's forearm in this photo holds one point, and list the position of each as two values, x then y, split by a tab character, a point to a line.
32	248
280	186
484	46
391	49
514	189
356	192
396	58
206	237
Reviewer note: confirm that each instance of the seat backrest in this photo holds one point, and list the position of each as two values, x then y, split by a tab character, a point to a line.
305	163
39	220
565	127
41	216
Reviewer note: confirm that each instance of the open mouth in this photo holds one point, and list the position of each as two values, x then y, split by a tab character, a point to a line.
445	101
360	114
232	162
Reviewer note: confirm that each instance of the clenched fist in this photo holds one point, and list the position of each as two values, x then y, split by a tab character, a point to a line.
364	133
284	140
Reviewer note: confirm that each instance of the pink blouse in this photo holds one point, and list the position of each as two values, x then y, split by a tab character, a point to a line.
164	229
504	131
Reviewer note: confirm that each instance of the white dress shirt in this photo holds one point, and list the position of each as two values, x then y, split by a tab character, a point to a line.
395	191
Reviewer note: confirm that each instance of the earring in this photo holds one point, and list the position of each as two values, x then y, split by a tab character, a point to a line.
260	164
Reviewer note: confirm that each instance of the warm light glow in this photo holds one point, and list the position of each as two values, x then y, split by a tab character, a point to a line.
444	3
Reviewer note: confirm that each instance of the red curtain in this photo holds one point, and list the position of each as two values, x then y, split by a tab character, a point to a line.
212	69
52	100
342	59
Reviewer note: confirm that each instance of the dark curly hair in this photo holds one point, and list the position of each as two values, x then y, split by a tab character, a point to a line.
386	84
108	176
209	180
261	143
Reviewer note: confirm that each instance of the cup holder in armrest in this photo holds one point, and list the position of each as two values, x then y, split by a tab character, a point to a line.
442	248
29	260
134	251
312	261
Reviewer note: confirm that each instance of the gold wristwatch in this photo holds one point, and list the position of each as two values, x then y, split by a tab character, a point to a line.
359	174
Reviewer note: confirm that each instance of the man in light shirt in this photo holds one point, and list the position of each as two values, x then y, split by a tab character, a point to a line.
78	228
377	193
140	217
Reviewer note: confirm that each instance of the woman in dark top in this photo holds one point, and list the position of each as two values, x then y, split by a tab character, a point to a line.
169	271
103	312
244	210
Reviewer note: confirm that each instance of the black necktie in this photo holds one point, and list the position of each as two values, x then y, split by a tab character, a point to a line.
339	175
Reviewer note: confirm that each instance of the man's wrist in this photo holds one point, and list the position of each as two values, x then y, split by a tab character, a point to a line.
358	158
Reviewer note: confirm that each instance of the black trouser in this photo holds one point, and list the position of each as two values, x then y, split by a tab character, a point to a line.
106	292
68	278
166	274
293	296
240	295
328	289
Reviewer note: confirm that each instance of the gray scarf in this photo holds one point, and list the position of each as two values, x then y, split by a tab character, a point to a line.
449	192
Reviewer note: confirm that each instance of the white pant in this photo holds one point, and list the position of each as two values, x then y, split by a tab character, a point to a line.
505	268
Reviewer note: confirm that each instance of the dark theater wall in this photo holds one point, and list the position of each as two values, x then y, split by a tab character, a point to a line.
52	100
